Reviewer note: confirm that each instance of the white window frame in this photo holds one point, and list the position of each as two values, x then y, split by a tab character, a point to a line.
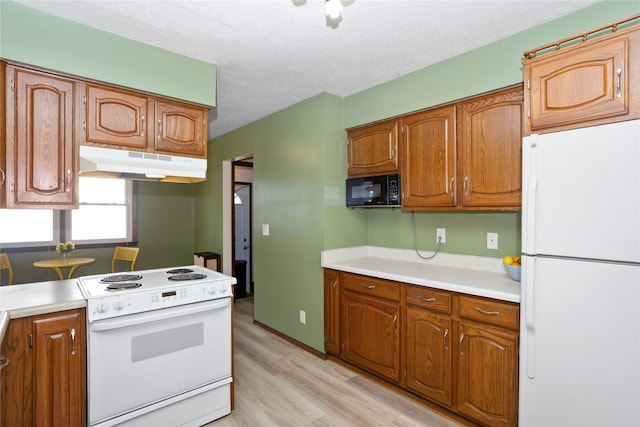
129	233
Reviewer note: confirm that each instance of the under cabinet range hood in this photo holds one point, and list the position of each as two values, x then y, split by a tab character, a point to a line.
108	162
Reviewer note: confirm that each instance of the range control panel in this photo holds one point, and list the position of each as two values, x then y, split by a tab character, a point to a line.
125	302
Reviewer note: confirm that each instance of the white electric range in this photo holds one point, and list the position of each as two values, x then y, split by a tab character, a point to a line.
158	346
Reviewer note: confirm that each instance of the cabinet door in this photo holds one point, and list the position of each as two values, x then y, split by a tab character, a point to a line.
41	161
579	85
429	159
59	369
14	388
373	150
3	139
117	118
487	375
370	336
428	357
490	144
180	129
331	311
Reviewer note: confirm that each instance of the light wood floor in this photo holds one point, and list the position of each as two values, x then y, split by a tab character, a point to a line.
280	384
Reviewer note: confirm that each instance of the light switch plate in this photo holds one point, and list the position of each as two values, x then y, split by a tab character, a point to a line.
265	229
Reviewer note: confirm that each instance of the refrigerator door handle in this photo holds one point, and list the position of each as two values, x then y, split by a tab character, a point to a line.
528	268
530	181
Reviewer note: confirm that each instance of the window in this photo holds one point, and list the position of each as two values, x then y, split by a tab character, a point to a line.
29	227
105	215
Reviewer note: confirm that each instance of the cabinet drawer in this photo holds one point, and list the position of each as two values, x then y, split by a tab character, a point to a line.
488	311
371	286
429	298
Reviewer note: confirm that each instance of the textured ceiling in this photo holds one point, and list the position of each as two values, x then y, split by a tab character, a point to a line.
274	53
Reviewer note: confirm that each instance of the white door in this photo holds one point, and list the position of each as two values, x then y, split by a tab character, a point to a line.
242	238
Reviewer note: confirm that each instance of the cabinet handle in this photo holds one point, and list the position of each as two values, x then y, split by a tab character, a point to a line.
159	128
395	320
335	287
465	186
618	89
68	180
142	125
393	153
3	177
460	344
421	298
490	313
368	286
73	342
451	186
444	339
4	361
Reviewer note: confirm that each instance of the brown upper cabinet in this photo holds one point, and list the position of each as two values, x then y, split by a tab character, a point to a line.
117	118
490	150
464	156
373	149
429	159
41	159
590	83
125	118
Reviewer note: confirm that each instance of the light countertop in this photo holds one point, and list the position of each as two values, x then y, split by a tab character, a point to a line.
473	275
37	298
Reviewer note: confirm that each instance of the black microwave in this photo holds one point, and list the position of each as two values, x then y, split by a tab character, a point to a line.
374	191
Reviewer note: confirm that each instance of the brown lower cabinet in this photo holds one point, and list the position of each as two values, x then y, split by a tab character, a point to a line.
458	351
44	383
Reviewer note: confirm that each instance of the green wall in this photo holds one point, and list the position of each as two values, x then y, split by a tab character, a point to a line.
291	151
290	171
33	37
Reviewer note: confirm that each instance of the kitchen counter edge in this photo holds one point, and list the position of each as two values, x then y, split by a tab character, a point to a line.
472	275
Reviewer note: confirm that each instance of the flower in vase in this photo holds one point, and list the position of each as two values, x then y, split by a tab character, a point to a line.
65	248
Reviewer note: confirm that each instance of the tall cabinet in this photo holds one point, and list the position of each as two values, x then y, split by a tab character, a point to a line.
41	160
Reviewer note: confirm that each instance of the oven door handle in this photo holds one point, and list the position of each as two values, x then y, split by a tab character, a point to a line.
157	315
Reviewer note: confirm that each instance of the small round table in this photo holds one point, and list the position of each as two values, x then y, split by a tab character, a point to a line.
58	263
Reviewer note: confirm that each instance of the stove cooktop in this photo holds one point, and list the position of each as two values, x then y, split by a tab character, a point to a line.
147	280
118	294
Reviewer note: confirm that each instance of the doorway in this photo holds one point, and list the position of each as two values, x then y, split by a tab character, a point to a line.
242	226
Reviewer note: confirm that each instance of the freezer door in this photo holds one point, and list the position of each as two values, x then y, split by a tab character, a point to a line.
580	344
581	193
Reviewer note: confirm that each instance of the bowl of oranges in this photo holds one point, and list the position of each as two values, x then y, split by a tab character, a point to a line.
512	264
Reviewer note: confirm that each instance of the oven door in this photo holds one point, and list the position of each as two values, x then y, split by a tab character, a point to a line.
140	359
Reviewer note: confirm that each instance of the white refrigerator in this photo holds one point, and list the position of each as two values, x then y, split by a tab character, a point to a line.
580	306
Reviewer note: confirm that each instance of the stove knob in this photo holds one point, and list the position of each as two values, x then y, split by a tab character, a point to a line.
211	290
223	288
102	307
118	305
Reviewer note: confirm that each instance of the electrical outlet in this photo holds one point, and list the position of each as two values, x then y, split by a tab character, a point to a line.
265	229
303	317
492	240
441	235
